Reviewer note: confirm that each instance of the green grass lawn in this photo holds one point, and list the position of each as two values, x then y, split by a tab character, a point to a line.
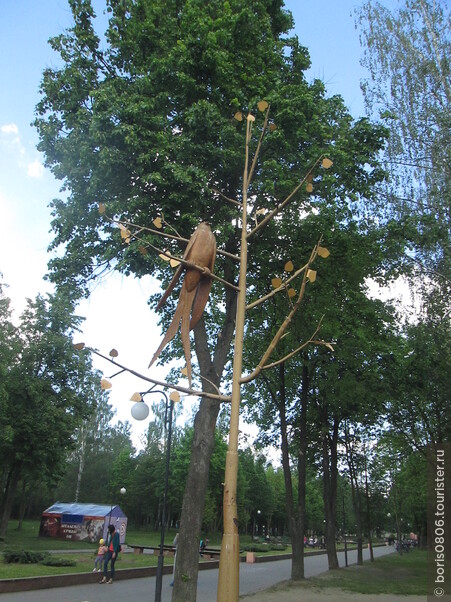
28	539
84	564
393	574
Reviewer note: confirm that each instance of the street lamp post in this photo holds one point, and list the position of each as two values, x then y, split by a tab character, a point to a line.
140	413
122	491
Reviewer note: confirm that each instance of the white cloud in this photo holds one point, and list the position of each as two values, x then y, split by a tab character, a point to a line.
10	128
35	169
11	138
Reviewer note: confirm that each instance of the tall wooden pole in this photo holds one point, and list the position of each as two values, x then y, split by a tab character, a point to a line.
229	561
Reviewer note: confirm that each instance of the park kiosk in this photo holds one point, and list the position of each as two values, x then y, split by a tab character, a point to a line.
82	522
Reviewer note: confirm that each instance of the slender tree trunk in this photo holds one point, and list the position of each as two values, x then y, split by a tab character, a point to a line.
81	462
13	480
368	514
356	498
22	506
295	515
298	567
358	524
330	474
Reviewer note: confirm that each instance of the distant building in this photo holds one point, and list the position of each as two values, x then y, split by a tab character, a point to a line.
82	522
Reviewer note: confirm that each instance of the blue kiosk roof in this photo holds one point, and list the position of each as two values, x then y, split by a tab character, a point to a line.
75	508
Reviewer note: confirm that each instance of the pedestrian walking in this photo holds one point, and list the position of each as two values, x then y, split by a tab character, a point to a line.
113	547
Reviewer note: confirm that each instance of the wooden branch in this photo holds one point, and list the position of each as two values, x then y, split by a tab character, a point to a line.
164	235
279	207
278	289
257	150
190	264
285	324
310	341
188	391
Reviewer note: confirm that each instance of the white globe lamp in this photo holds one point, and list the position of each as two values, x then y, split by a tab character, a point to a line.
140	410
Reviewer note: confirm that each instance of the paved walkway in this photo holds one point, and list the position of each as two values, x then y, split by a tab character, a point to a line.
253	577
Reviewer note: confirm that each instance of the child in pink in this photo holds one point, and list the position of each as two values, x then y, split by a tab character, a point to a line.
100	556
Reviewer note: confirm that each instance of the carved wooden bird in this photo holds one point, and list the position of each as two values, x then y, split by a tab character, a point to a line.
201	251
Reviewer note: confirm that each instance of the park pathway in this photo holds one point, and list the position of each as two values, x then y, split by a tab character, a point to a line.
253	577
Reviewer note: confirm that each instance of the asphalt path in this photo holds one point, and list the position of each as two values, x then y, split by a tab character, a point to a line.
253	578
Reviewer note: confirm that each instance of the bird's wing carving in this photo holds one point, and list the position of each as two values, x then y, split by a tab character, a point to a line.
201	251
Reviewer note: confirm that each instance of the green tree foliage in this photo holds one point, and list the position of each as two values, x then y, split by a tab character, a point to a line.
407	54
319	389
418	406
90	466
42	395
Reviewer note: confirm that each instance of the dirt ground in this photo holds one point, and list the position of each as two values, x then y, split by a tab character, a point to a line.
287	592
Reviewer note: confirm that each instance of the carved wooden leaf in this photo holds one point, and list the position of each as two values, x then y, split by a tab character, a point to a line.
174	396
326	163
289	267
174	263
309	187
79	346
184	371
157	222
323	252
113	353
164	257
311	275
272	127
136	397
250	117
238	116
105	384
276	282
101	208
262	105
291	292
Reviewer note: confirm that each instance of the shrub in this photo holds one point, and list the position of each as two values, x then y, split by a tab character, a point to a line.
256	547
23	557
264	547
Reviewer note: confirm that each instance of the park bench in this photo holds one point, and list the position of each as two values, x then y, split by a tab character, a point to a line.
139	549
210	553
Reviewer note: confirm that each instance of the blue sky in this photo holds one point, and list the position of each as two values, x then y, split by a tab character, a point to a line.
117	309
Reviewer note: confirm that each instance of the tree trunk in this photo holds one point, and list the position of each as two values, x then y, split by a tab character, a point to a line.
330	474
356	499
13	480
297	564
186	570
358	523
296	516
81	463
368	514
22	506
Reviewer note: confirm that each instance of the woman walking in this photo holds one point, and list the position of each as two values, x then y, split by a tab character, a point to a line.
113	547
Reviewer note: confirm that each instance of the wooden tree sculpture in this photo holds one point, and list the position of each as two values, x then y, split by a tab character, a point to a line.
198	263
